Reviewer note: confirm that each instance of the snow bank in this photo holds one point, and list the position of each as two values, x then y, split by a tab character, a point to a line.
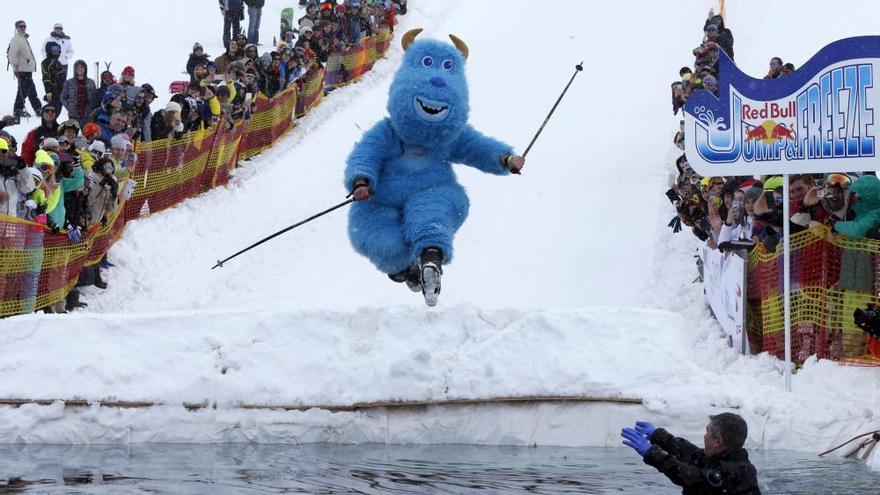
341	358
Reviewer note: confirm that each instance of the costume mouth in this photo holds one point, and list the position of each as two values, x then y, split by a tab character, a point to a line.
430	110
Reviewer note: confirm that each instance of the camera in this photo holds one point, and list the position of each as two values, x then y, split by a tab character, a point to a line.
868	320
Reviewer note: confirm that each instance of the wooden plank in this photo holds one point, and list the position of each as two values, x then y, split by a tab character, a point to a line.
194	406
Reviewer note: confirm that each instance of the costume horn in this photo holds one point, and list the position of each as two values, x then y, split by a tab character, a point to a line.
461	45
409	37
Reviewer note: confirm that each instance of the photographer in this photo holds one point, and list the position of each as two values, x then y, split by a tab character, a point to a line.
16	182
722	467
167	123
101	190
736	233
830	203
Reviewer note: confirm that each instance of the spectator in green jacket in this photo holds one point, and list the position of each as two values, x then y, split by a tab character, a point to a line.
866	204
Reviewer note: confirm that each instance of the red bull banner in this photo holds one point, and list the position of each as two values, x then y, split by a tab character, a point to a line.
817	119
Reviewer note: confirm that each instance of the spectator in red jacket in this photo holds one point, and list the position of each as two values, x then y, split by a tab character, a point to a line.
48	128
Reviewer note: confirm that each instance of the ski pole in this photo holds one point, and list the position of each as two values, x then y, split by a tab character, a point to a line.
578	68
276	234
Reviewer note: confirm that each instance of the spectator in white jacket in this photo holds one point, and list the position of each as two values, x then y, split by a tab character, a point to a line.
24	64
736	233
57	35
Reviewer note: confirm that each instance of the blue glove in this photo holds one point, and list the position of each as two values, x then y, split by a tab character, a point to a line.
635	440
74	233
645	428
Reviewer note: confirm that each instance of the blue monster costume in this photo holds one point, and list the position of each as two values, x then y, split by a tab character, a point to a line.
406	160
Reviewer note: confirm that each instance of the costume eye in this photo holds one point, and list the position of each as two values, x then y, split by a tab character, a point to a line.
448	64
427	61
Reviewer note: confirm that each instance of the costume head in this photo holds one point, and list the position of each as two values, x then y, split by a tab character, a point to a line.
868	189
428	99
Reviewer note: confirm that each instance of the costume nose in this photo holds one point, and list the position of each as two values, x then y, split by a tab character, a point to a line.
438	82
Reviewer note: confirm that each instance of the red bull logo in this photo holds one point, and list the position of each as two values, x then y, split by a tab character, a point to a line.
769	131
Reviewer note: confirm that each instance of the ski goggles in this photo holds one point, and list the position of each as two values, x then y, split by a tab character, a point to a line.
839	180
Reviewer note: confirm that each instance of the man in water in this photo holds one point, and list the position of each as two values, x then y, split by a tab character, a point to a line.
722	467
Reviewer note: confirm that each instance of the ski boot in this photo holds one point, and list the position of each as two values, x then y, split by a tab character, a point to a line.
431	268
411	276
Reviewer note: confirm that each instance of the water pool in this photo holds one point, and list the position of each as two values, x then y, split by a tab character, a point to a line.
375	469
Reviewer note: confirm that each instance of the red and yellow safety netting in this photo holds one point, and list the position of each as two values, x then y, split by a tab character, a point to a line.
38	267
831	276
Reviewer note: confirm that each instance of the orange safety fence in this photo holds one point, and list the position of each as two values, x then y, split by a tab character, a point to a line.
39	267
831	276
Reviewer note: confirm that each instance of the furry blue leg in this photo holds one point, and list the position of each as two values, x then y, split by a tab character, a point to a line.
431	218
376	232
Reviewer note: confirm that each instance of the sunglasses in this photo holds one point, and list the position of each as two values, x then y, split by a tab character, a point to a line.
841	180
21	26
4	151
45	167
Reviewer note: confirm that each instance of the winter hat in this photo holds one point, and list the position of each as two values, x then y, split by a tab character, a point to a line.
710	80
97	147
4	145
58	25
711	27
773	183
197	46
50	143
148	88
43	158
91	130
753	193
73	124
306	28
120	141
173	107
128	71
108	97
36	175
747	184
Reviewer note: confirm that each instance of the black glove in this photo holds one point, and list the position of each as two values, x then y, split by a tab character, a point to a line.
700	233
673	196
675	224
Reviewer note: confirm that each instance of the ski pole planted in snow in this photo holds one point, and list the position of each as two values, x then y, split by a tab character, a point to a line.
276	234
578	68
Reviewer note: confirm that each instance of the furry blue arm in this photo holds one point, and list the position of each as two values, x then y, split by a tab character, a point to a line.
479	151
370	153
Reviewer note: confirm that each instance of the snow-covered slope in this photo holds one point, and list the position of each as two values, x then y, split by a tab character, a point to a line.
548	293
576	229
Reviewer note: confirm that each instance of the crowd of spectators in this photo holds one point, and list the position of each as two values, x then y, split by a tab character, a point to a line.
71	175
738	213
